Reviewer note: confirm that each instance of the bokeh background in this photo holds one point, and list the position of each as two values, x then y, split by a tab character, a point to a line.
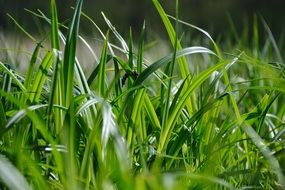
211	15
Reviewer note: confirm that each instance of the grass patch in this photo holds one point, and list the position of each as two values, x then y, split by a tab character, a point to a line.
199	117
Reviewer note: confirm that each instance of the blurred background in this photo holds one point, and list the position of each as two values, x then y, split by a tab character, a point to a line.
211	15
227	21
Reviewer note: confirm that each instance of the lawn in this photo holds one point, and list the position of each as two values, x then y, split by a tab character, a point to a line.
208	116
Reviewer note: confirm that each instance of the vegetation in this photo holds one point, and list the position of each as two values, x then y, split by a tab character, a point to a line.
198	118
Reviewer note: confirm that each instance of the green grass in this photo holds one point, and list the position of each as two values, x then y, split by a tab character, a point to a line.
198	118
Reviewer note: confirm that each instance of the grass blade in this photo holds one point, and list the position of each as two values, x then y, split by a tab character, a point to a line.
3	119
140	50
40	77
55	43
102	68
151	112
29	75
69	54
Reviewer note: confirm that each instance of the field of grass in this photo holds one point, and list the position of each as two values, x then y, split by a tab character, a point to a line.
207	116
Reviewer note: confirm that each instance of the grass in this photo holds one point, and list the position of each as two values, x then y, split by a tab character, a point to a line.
198	118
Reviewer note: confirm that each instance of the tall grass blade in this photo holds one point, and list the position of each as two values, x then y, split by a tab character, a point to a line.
70	54
69	64
102	68
169	71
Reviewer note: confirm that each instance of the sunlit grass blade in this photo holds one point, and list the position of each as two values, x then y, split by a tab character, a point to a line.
136	112
150	110
40	77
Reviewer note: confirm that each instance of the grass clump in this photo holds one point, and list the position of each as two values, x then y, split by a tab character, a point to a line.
138	125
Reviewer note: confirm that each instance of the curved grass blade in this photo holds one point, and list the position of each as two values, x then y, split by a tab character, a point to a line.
218	52
183	52
22	29
87	104
116	33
